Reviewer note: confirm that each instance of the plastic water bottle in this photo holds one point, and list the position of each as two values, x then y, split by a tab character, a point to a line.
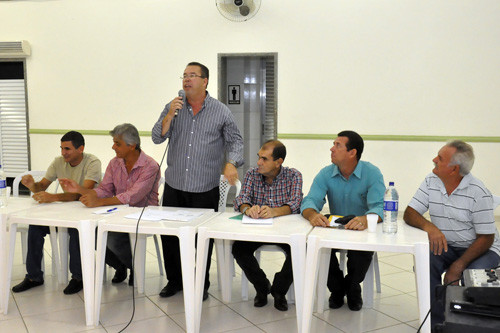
3	188
391	202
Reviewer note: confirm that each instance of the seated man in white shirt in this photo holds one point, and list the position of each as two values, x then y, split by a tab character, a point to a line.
462	231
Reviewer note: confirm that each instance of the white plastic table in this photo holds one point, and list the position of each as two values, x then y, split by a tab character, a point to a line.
15	204
289	229
186	231
406	240
72	214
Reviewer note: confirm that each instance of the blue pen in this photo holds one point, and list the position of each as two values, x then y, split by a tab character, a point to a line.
110	210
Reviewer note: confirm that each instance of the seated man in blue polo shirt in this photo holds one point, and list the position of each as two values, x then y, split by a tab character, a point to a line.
462	231
269	190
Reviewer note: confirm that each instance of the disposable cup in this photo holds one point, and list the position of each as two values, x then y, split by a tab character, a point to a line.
372	222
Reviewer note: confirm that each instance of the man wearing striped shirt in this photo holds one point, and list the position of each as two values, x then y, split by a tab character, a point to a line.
201	131
462	232
269	190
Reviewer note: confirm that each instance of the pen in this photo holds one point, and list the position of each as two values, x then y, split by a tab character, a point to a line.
110	210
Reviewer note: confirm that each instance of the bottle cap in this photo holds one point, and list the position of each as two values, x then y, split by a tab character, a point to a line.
391	183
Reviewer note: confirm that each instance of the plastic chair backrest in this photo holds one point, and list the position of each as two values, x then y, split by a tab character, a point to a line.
37	175
224	187
161	185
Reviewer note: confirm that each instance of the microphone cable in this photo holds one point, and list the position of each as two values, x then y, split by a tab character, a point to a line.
137	235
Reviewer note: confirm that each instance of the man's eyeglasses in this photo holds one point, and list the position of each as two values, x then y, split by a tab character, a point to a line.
190	76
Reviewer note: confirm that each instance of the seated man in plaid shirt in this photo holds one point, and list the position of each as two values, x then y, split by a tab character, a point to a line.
269	190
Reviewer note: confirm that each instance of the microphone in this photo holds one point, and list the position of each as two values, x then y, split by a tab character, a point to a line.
182	94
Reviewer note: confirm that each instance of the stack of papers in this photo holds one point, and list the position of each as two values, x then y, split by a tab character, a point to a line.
158	215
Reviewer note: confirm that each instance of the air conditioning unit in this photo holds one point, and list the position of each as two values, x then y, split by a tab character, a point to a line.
20	49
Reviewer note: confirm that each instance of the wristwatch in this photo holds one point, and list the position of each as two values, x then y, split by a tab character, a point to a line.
244	210
233	162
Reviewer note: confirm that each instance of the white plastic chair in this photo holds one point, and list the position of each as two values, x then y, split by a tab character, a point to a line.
158	254
374	266
290	296
323	277
224	188
23	229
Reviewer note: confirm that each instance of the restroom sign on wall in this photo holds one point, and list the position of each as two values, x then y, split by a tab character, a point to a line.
233	94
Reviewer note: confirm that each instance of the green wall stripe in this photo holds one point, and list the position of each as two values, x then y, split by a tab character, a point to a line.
415	138
84	132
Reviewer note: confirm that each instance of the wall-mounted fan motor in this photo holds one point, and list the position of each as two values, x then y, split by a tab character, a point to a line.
238	10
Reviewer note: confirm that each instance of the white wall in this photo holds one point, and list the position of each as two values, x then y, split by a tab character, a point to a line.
378	67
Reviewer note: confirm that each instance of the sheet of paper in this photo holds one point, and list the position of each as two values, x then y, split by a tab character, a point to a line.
158	215
249	220
145	216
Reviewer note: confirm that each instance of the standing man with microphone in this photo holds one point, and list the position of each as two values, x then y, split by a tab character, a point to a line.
203	142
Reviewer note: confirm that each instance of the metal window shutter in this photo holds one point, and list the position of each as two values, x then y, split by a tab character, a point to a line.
13	127
270	130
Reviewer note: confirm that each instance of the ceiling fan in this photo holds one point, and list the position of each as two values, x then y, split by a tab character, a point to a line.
238	10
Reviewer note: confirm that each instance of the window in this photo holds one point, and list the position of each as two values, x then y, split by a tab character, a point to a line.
14	140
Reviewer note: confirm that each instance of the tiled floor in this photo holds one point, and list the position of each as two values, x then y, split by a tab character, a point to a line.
47	309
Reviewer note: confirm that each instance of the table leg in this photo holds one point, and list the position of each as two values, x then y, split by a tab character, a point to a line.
201	267
368	287
219	253
324	264
422	273
63	253
221	263
86	232
4	291
139	260
102	239
228	271
311	274
187	248
8	271
298	251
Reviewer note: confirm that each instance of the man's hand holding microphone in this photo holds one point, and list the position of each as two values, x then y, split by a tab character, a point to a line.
175	105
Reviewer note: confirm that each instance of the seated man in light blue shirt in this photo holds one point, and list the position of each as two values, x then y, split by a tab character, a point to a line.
353	187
